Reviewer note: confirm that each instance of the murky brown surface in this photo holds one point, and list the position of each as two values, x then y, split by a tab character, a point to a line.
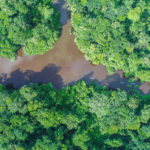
62	65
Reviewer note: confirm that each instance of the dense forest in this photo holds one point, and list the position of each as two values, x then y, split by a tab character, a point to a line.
78	117
115	33
36	29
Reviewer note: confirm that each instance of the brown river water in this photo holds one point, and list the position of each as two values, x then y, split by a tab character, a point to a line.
62	65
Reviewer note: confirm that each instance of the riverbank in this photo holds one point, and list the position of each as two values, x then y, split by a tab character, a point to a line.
62	65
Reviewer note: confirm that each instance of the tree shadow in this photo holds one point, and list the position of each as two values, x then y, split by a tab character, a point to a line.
62	8
18	78
114	82
48	74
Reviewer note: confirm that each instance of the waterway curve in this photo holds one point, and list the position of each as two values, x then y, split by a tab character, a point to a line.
62	65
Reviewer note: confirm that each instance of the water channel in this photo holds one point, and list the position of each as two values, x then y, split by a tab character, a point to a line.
62	65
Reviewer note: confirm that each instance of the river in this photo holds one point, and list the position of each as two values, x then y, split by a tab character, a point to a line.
62	65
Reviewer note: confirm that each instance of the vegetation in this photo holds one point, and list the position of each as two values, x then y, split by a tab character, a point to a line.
79	117
115	33
36	29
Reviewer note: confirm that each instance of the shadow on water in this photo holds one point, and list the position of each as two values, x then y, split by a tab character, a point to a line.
114	82
65	14
18	78
48	74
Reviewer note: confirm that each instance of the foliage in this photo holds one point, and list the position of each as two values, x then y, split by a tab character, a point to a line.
114	33
40	117
33	25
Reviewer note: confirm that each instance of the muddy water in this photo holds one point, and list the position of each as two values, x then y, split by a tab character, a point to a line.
62	65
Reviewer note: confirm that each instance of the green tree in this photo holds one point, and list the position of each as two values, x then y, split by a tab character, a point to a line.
40	117
32	25
114	33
